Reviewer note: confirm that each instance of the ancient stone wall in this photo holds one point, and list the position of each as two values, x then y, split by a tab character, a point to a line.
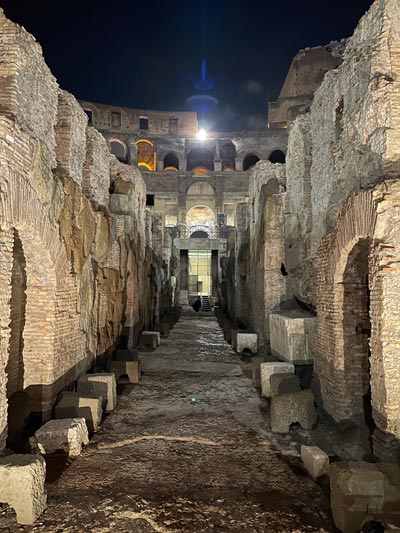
73	246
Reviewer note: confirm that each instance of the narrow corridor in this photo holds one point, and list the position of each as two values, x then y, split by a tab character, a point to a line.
185	450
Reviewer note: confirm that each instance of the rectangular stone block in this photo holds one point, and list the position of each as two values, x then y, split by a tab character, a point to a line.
131	369
285	383
103	385
293	408
291	335
75	405
67	435
315	461
267	369
22	479
149	338
247	341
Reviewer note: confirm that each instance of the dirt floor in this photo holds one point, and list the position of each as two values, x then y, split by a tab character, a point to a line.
186	450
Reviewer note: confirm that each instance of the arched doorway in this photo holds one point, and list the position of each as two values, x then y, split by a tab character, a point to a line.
119	149
357	332
146	155
277	156
200	158
171	162
249	161
19	407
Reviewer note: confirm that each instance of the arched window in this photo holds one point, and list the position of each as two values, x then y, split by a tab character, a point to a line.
249	161
277	156
119	149
200	157
228	154
146	155
171	161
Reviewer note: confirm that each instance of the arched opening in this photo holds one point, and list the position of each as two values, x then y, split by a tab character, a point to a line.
119	149
19	407
146	155
200	158
171	162
200	188
357	332
277	156
249	161
228	154
200	215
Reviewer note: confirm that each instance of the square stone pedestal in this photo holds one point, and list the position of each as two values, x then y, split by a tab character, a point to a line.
291	336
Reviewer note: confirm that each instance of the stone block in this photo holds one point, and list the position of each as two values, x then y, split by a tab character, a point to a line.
247	341
291	335
256	363
22	479
75	405
315	461
363	492
103	385
67	435
284	383
149	338
126	355
267	369
288	409
163	329
126	368
121	204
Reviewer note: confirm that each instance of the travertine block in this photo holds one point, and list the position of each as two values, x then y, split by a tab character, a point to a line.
128	368
163	329
362	492
22	479
247	341
66	434
149	338
267	369
291	334
75	405
288	409
315	461
103	385
284	384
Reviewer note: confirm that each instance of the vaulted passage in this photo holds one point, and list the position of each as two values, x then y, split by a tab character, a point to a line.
186	450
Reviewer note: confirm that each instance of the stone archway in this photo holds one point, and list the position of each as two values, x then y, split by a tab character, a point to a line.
50	342
356	353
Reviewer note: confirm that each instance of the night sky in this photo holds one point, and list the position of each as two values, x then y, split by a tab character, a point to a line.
148	55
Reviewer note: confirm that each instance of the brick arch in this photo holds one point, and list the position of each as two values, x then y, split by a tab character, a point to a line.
51	310
361	223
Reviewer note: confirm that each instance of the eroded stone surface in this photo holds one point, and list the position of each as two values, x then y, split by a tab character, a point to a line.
22	480
315	460
67	435
267	369
288	409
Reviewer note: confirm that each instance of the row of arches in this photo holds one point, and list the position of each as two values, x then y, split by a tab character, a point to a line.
199	160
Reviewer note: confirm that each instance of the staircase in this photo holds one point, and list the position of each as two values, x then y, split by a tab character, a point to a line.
205	303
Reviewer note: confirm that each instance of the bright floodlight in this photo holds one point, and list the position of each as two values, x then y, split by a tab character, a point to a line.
202	134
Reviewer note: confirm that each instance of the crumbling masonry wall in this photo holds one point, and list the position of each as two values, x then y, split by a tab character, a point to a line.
73	275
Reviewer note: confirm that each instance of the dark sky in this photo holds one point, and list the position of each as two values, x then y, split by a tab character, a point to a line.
146	54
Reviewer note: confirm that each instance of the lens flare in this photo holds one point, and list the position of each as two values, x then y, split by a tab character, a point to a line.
201	134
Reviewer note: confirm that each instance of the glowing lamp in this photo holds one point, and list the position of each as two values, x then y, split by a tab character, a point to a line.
202	134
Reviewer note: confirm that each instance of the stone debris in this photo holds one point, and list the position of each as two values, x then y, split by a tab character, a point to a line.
315	461
67	435
75	405
103	385
363	492
284	383
22	479
267	369
288	409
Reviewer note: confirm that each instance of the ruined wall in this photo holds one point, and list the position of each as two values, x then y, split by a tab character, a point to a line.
70	252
